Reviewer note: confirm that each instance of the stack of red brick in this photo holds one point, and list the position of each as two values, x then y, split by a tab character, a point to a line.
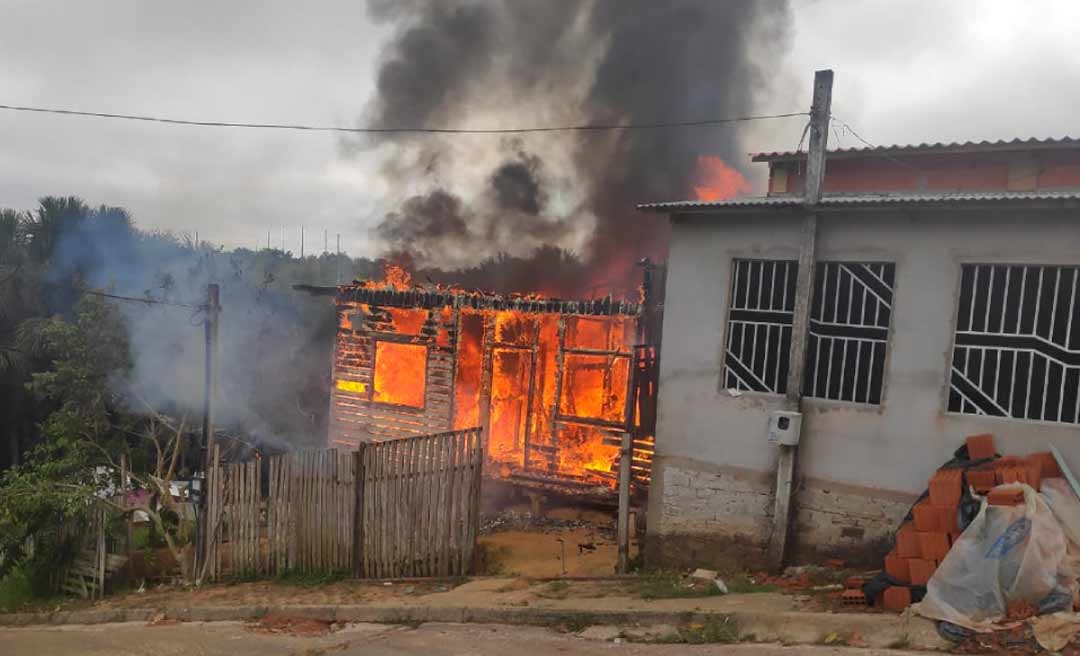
923	542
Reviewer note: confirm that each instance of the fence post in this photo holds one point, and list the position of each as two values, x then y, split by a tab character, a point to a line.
626	456
101	552
358	511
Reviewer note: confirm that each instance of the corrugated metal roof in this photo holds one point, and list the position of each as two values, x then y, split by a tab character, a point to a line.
856	200
927	148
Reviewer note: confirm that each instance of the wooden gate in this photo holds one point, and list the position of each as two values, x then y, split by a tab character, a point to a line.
420	505
417	501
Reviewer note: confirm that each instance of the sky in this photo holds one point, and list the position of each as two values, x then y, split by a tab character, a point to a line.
907	71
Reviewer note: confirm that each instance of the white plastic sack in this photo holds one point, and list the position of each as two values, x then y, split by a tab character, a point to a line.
1007	553
1063	503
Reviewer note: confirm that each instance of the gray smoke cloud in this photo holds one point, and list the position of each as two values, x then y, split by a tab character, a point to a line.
521	62
274	344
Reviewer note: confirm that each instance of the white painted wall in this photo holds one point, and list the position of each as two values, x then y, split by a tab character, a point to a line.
895	446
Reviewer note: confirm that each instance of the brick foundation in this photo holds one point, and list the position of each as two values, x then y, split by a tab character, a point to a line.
720	516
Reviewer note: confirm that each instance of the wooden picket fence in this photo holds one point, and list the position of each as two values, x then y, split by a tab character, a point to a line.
411	505
420	510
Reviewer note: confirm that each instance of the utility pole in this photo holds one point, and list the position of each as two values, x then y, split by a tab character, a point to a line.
282	239
325	243
268	239
301	242
337	260
213	310
800	322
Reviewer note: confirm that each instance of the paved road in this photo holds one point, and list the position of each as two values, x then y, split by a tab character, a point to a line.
236	639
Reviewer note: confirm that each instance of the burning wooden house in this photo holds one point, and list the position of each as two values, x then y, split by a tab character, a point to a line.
554	383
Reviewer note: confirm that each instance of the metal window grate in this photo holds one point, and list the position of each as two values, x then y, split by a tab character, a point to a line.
1016	352
759	325
849	331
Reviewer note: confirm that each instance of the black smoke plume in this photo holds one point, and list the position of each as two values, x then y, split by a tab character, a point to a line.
509	63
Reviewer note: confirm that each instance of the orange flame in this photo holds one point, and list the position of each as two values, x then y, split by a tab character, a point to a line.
525	390
717	180
394	275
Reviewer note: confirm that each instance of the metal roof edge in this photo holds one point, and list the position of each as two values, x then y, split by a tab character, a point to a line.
1001	145
1067	199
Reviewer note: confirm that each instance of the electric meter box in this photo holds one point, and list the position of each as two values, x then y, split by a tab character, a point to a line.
785	427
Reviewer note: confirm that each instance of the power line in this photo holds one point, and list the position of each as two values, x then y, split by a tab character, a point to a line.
855	134
147	301
594	127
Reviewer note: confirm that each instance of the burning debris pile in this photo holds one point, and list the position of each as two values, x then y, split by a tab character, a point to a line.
554	382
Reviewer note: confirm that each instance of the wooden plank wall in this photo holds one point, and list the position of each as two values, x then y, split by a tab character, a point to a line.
354	417
419	506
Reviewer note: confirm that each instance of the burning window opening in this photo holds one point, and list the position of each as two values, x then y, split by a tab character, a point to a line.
400	374
555	382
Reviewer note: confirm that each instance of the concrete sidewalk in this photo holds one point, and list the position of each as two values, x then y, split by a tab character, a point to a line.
767	617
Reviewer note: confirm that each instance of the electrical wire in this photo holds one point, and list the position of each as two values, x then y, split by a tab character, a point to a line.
134	299
852	132
393	130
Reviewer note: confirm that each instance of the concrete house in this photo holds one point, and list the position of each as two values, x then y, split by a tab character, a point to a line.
946	303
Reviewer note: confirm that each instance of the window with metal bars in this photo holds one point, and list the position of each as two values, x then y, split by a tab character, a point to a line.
759	325
849	331
1017	347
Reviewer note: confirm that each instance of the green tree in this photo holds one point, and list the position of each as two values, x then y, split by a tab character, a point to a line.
63	472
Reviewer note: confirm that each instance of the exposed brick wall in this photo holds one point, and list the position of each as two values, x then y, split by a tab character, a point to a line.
708	515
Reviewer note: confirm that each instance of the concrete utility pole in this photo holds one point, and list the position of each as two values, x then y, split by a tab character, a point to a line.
301	242
800	321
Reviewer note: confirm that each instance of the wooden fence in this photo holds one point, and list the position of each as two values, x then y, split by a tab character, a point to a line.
411	505
420	505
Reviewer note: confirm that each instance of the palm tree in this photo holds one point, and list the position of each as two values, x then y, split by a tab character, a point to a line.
54	216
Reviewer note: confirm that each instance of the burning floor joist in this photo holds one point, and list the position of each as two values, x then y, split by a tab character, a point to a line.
555	383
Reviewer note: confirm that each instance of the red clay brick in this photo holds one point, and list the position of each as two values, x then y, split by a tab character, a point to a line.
907	545
981	479
946	519
852	598
925	516
896	567
945	487
1034	467
1050	467
1012	475
921	570
854	583
1005	497
933	545
981	446
897	598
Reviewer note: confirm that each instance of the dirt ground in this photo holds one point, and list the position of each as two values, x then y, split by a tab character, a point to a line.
527	553
236	639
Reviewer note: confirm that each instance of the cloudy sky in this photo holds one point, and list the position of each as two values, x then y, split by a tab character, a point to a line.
906	71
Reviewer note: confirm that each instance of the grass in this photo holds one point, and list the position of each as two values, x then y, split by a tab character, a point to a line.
16	590
746	585
835	639
489	560
310	579
662	584
715	630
